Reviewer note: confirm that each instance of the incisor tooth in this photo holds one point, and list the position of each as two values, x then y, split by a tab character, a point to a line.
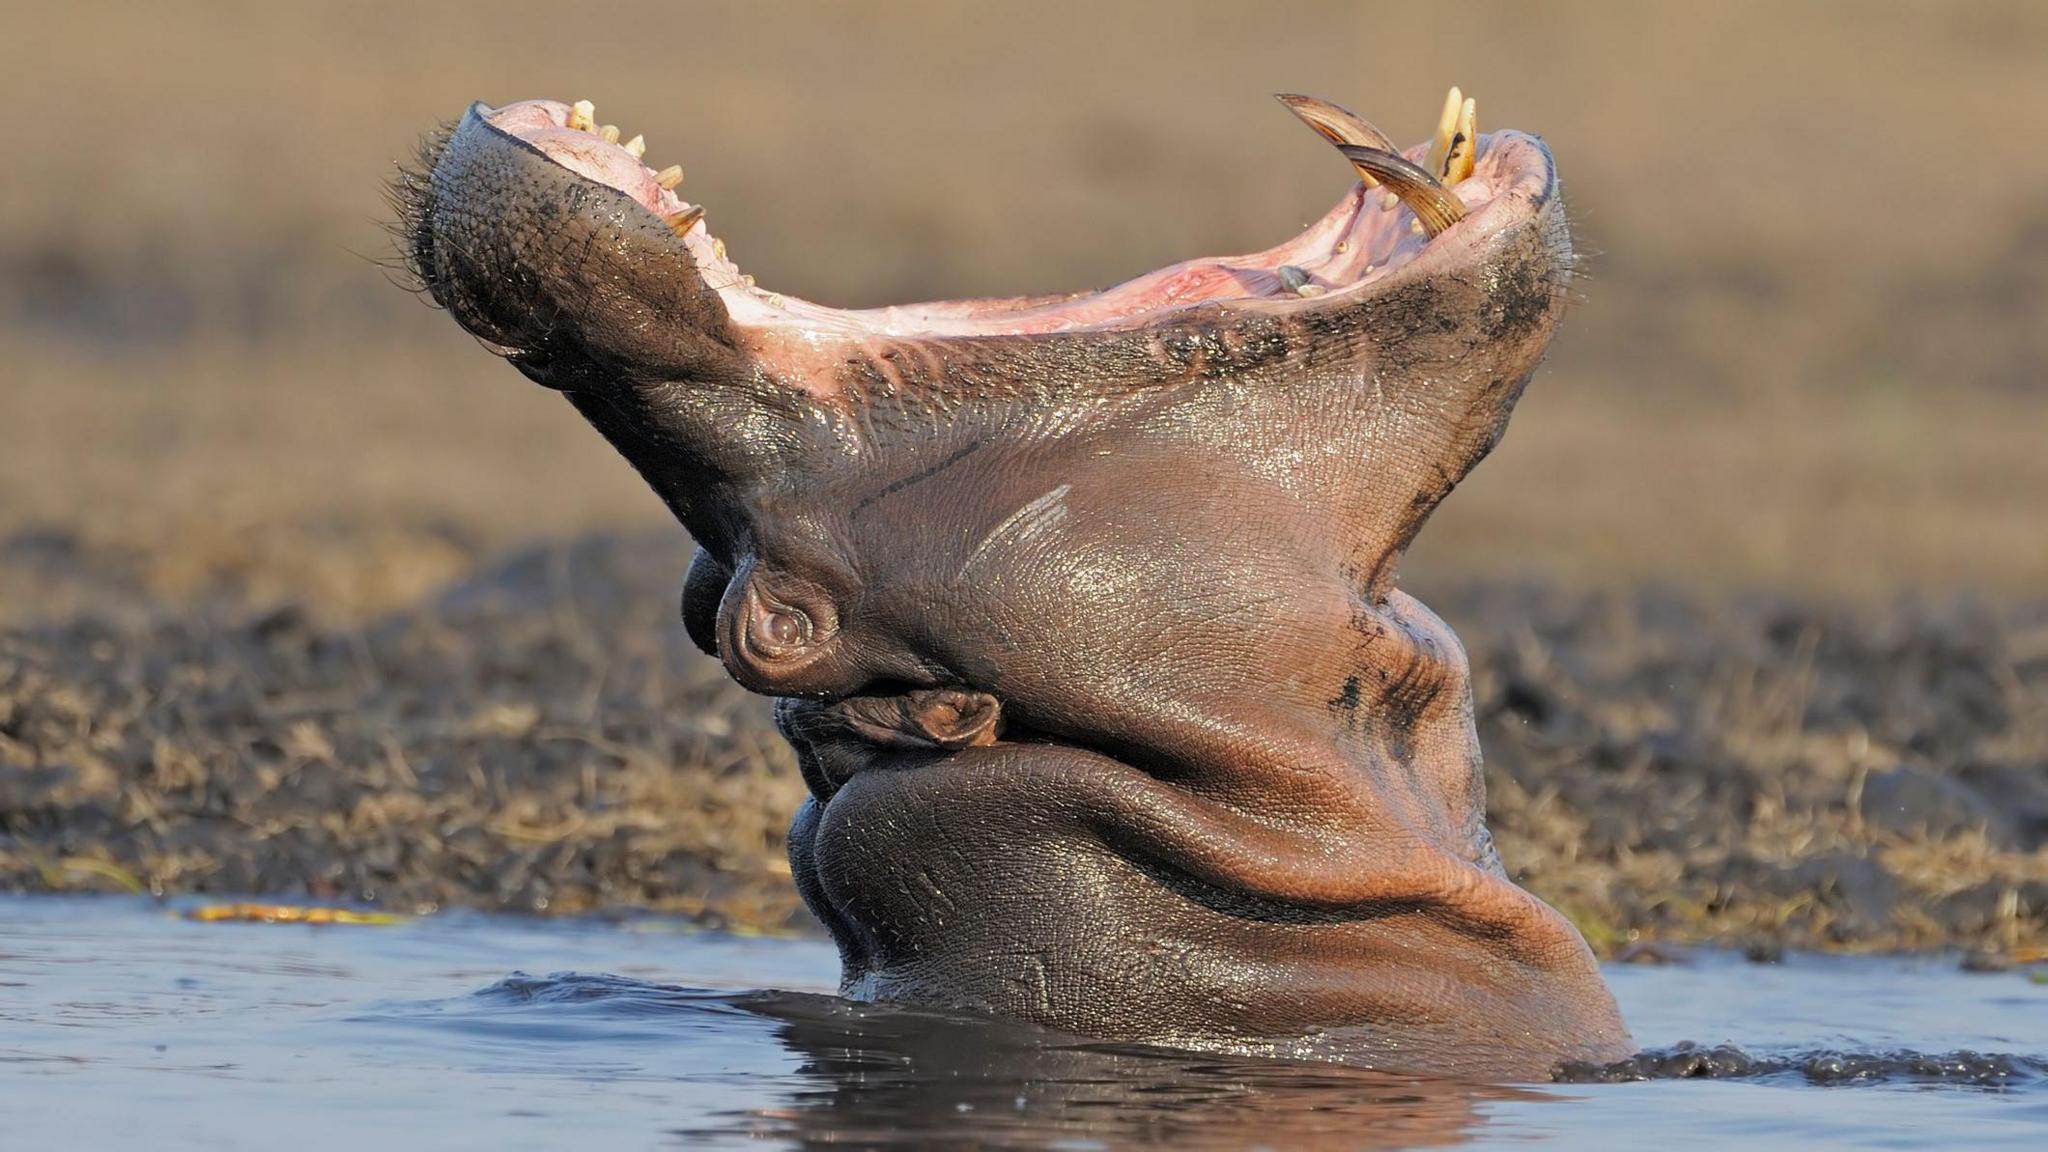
610	132
687	219
583	116
718	248
670	176
1446	127
1464	144
637	146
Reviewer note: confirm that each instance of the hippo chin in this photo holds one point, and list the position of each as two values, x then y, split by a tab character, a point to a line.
1080	610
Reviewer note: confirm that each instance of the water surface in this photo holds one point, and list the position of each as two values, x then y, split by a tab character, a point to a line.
123	1025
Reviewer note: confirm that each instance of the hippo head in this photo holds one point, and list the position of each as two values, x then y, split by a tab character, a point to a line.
1079	610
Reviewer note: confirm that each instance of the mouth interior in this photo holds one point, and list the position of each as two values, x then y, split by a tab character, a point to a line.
1366	236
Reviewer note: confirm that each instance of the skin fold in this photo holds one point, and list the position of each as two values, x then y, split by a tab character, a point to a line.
1080	614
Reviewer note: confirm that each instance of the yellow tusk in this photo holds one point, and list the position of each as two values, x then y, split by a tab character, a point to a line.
1464	151
1446	127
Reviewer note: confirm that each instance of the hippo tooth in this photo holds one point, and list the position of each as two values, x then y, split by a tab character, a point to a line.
1294	278
637	146
685	220
1338	125
1446	127
583	116
1389	202
610	132
670	176
1464	144
1435	208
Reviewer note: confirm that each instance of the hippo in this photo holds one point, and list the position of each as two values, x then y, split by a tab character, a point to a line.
1079	611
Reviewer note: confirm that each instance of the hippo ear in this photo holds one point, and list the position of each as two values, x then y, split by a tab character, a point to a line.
948	718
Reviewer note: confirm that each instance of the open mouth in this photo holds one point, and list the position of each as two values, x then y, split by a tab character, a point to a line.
1407	205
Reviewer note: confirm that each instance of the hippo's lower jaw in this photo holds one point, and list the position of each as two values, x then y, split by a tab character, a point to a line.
1081	609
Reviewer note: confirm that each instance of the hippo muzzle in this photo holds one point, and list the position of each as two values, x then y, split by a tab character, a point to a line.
1080	610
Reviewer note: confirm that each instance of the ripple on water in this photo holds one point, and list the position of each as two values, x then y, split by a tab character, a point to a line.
123	1020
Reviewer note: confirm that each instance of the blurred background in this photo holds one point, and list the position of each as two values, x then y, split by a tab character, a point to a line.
246	481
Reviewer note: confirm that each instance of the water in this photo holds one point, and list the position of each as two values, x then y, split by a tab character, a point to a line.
122	1025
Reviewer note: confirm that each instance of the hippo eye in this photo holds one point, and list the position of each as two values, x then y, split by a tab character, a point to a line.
773	625
780	630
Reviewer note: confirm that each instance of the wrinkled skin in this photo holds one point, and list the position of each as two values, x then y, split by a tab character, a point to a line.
1085	635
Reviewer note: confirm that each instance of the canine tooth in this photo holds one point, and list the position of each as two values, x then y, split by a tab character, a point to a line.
1294	278
637	146
1338	125
687	219
583	116
1464	144
1446	127
610	132
1435	208
670	176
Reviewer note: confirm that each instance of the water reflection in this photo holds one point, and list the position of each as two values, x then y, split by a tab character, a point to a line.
118	1017
884	1077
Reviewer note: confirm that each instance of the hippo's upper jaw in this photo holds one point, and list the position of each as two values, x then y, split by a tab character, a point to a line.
1081	608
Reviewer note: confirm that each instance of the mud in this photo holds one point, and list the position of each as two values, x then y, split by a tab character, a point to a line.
539	735
1823	1068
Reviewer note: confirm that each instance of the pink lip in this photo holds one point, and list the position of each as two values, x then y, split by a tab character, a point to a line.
1362	241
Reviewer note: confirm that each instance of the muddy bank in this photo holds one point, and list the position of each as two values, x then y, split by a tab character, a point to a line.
540	736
